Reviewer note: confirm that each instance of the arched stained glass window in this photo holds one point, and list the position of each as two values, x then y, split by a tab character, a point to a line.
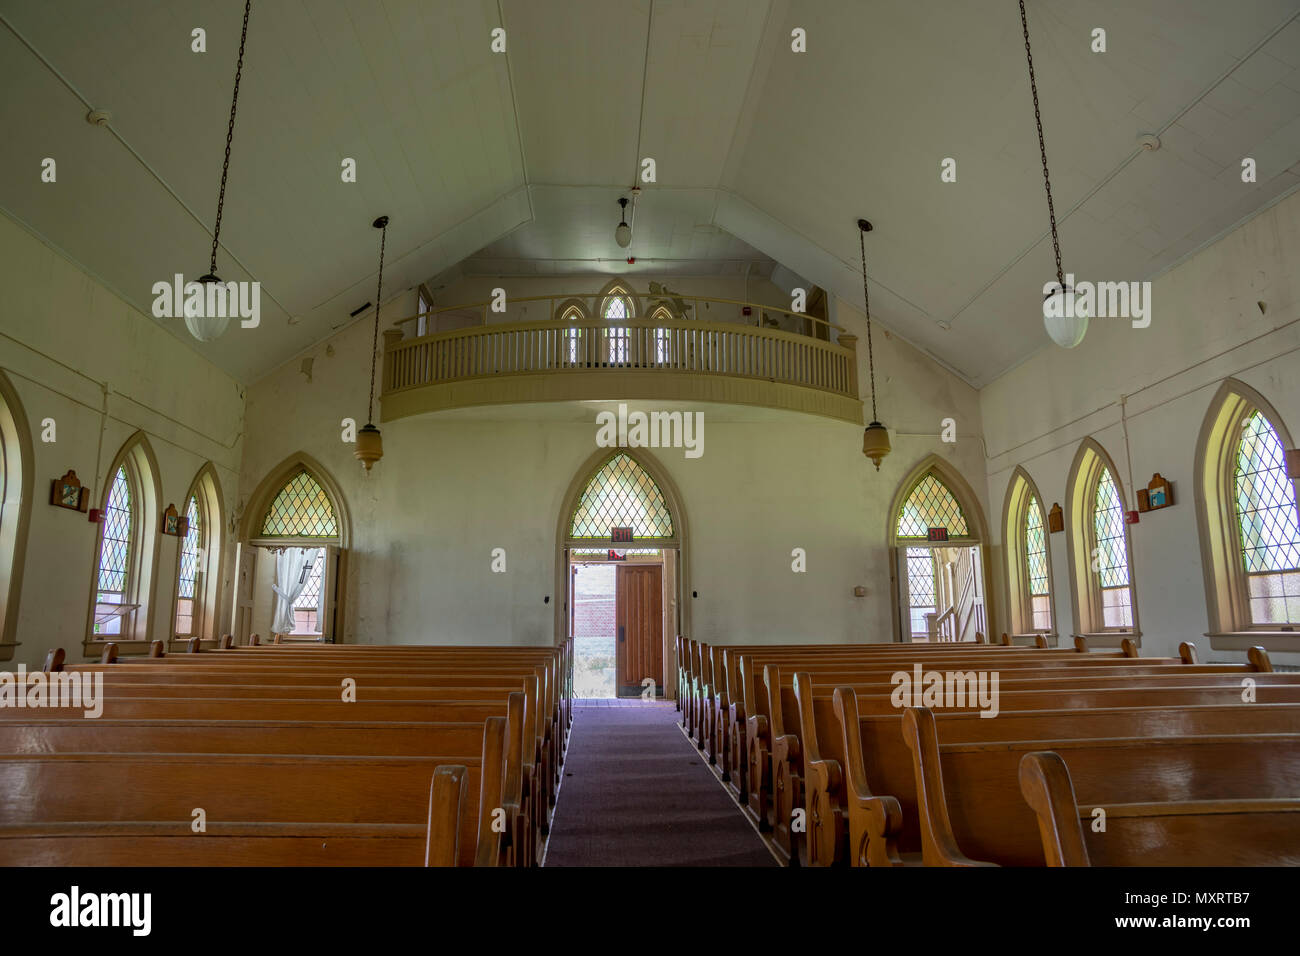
1110	554
186	590
1036	566
931	505
300	510
1267	524
112	577
621	495
617	307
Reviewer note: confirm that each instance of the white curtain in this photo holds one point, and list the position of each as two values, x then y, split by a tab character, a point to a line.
291	569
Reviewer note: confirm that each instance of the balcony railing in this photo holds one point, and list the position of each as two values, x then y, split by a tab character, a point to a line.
657	358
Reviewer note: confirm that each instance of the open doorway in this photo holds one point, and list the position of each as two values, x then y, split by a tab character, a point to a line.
593	629
617	604
941	588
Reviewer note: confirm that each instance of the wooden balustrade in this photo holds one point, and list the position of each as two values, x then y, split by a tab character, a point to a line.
669	357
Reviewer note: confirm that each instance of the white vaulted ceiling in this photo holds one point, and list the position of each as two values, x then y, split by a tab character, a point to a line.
512	164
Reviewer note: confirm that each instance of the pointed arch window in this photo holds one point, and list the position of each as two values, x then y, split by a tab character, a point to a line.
1040	600
572	312
1268	529
1101	552
302	509
1110	555
662	336
116	547
126	547
1029	572
621	494
617	307
191	571
1247	516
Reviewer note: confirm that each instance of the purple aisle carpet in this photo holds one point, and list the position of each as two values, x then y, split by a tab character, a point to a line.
637	793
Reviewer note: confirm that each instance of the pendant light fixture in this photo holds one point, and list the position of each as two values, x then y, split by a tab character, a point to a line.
875	440
206	328
370	444
623	232
1065	321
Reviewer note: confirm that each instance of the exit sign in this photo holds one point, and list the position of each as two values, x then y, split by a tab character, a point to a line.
620	535
617	555
938	534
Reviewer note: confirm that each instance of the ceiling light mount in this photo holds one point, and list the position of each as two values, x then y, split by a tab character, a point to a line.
99	117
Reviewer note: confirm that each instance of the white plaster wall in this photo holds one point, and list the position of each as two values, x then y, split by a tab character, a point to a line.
64	339
449	490
1206	326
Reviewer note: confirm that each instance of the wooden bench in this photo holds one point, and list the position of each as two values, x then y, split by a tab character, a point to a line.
1188	831
972	810
769	739
90	808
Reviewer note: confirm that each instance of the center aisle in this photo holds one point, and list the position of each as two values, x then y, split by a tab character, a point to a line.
636	793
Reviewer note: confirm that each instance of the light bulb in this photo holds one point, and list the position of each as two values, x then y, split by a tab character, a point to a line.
623	235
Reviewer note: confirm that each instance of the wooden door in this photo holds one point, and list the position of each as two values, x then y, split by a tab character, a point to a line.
639	617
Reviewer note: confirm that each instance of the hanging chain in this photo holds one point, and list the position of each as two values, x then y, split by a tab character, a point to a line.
1042	147
866	300
230	135
374	347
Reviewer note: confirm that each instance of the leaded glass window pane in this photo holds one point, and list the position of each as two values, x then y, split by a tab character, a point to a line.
621	495
115	550
306	609
1267	519
300	510
189	569
931	505
920	589
617	308
1035	548
1110	559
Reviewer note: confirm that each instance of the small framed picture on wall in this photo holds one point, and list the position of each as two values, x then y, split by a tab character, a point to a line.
69	492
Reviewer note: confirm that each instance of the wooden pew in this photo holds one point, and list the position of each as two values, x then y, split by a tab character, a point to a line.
113	808
323	702
860	794
771	749
1000	828
1185	831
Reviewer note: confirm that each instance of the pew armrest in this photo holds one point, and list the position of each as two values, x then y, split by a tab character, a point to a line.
826	817
1049	791
938	843
447	799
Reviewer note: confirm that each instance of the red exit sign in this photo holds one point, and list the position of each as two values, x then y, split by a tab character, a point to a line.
617	555
620	535
938	534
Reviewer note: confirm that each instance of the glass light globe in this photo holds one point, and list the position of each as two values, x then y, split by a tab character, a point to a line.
623	234
1064	317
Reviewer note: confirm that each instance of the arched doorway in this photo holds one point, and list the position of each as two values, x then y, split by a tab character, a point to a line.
621	567
292	574
936	535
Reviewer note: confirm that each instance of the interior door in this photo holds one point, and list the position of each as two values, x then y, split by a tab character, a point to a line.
639	617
